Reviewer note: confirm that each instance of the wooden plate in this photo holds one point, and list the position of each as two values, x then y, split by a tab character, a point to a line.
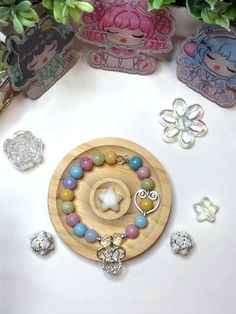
125	181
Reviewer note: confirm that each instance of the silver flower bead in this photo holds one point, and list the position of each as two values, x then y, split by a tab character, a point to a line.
183	124
181	243
42	243
24	150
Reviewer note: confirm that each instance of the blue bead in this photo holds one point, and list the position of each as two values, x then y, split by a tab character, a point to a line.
69	183
80	229
76	172
135	162
90	235
141	221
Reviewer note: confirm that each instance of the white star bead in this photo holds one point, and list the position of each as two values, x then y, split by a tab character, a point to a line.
205	210
110	200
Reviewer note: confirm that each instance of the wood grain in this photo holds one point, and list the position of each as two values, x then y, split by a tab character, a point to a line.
157	220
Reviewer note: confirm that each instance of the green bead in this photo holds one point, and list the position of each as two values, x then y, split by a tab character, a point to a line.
98	159
68	207
148	184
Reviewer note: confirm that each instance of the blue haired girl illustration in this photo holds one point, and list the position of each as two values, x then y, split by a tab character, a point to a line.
40	58
208	64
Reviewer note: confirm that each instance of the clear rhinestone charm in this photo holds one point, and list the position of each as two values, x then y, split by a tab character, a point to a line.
110	254
42	243
24	150
181	242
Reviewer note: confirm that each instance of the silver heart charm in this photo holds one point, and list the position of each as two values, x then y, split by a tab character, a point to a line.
152	195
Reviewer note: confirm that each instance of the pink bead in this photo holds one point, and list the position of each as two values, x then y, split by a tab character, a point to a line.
132	231
72	220
86	163
143	173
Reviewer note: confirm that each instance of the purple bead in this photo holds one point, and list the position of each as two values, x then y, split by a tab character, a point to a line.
69	183
90	235
86	163
132	231
143	173
72	220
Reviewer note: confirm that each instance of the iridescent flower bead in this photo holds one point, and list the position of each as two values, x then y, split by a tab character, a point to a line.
80	229
148	184
135	162
66	195
90	235
72	219
132	231
68	207
98	159
141	221
143	173
86	163
69	183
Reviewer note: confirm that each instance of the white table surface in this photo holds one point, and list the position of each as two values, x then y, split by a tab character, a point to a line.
87	104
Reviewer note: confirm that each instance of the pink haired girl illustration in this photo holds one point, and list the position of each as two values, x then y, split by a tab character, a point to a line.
126	32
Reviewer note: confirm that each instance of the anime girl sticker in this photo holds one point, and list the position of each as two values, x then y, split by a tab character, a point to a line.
208	64
35	62
126	33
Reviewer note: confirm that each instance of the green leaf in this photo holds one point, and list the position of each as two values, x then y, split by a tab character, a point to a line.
84	6
4	12
48	4
71	3
26	22
3	23
212	3
222	21
16	23
75	14
31	14
58	7
23	6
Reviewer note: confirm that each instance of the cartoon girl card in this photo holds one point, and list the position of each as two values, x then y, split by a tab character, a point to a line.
207	64
127	34
38	59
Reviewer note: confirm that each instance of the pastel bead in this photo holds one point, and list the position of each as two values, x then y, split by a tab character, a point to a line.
132	231
90	235
86	163
80	229
135	162
72	219
98	159
146	204
141	221
76	172
68	207
66	195
143	173
148	184
69	183
110	158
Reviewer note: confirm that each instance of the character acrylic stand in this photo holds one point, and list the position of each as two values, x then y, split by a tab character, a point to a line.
207	64
127	34
35	62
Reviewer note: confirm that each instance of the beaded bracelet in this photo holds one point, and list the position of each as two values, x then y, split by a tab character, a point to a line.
111	252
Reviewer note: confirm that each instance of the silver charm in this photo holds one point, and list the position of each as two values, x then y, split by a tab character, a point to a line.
42	243
152	195
205	210
181	243
183	124
24	150
111	253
